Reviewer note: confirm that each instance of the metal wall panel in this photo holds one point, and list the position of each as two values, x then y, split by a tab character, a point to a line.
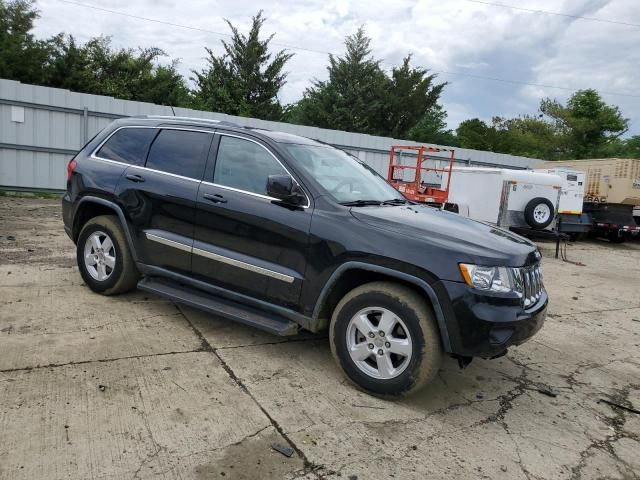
34	154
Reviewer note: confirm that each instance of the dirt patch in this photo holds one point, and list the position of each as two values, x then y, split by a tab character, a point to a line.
31	231
252	458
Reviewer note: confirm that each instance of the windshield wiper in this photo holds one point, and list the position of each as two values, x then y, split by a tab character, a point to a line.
361	203
395	201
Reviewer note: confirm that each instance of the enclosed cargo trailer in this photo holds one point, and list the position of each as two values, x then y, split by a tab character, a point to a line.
507	198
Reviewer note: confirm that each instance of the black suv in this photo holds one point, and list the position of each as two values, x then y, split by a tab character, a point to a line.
284	233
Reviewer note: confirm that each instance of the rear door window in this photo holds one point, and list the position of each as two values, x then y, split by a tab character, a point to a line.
128	145
180	152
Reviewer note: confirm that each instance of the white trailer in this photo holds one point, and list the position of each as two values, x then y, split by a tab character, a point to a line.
505	197
572	219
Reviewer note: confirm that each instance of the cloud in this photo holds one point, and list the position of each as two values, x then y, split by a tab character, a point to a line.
453	36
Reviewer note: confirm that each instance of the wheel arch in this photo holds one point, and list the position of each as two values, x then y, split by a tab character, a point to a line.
90	207
352	274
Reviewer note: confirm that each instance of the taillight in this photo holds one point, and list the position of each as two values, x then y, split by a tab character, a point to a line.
71	166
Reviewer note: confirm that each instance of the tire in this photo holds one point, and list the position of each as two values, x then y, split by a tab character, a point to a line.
539	213
409	372
119	278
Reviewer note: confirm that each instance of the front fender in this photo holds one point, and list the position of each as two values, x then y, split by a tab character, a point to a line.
422	284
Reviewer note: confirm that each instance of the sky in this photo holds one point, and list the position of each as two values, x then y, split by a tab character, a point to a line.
460	40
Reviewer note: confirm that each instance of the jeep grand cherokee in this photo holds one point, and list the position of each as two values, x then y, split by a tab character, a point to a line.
284	233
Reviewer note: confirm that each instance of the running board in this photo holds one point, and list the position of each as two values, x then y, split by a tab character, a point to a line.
218	306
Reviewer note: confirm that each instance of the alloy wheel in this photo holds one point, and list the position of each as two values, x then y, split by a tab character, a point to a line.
99	256
379	343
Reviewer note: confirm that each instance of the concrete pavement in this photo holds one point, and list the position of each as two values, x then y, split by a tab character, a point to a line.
135	387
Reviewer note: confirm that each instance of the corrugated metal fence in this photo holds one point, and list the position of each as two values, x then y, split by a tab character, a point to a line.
42	127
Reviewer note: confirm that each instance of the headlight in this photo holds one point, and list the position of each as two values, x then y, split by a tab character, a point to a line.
491	279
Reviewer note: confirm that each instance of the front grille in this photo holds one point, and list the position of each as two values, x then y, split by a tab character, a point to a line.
529	284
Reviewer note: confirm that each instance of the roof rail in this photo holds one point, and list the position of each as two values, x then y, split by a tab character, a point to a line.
191	119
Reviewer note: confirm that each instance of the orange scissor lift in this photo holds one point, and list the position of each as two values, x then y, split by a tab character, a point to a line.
416	189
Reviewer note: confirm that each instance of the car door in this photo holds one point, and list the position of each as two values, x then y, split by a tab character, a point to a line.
244	241
159	198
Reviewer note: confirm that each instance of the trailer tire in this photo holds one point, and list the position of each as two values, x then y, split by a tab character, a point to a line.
539	213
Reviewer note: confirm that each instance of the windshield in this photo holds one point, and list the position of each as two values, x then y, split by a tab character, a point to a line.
344	177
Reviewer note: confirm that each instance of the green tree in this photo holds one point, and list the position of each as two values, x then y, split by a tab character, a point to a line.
432	128
360	97
622	148
631	147
351	99
411	97
69	66
476	134
96	67
245	80
22	57
528	136
588	123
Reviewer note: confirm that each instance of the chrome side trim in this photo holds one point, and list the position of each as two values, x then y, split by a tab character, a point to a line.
243	265
107	160
170	243
219	258
258	195
166	173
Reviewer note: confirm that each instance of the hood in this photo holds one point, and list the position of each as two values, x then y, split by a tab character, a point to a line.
483	243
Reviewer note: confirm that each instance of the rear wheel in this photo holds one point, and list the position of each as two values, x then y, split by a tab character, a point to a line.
103	256
385	339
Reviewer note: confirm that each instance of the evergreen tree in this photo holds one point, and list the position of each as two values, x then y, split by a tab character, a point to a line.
432	128
245	80
360	97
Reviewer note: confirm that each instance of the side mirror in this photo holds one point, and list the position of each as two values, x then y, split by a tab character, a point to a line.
285	189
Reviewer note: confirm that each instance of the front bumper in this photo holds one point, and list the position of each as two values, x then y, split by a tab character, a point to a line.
480	325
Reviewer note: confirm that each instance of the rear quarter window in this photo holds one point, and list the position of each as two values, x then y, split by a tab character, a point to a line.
128	145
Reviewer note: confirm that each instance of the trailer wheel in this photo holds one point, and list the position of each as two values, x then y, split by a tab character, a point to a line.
539	213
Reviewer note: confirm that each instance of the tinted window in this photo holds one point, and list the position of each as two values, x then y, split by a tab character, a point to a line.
180	152
572	178
128	145
245	165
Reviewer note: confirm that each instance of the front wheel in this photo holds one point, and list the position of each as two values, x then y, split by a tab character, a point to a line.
385	339
103	256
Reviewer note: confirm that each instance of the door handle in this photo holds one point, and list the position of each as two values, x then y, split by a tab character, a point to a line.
217	198
135	178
